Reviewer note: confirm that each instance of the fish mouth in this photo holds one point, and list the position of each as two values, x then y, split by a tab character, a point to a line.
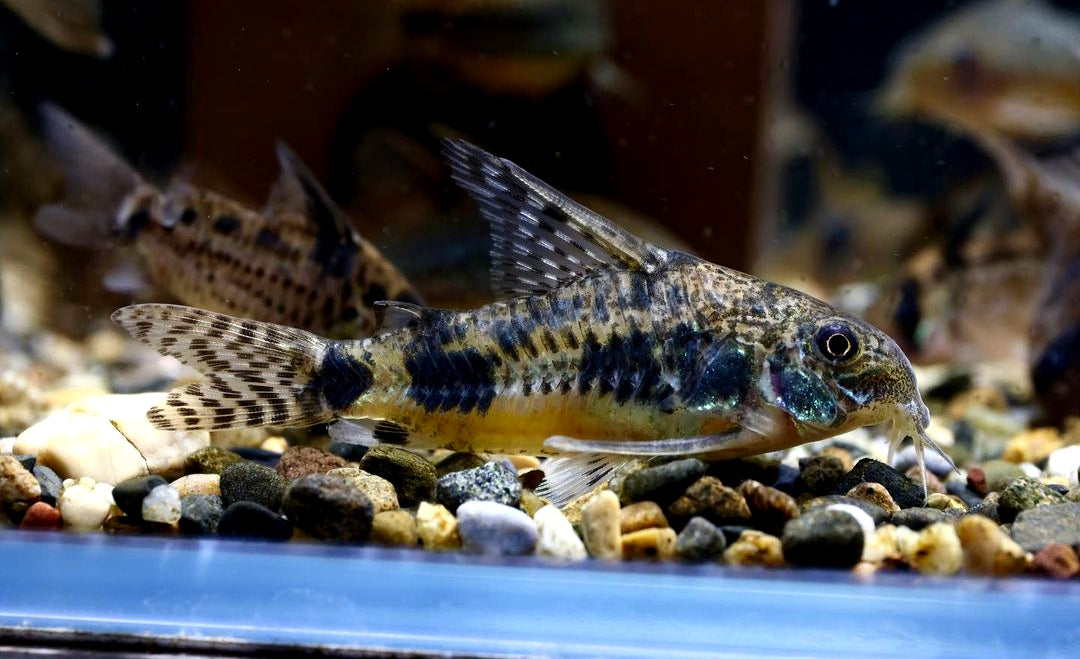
910	420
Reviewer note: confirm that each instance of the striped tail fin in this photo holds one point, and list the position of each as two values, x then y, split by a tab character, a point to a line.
258	374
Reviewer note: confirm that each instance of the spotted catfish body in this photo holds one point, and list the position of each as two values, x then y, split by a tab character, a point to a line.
298	262
605	346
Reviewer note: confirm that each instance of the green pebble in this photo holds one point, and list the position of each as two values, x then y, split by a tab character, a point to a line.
413	477
209	460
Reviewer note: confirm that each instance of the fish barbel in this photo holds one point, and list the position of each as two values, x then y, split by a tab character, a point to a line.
604	346
298	261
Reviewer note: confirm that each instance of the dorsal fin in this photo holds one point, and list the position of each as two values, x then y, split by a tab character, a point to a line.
298	191
540	237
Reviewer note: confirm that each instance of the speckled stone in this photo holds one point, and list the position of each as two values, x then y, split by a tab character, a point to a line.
651	544
557	539
210	460
987	549
988	507
905	493
247	519
209	484
700	540
493	481
200	514
161	505
1024	494
328	508
710	499
920	518
129	494
40	516
769	507
823	538
50	483
755	549
876	494
248	481
379	490
819	474
394	528
459	461
876	513
299	461
437	527
16	484
1056	560
934	550
662	483
1038	527
494	529
641	515
600	526
413	477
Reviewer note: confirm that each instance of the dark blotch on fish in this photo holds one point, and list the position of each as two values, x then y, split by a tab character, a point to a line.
445	380
267	238
226	224
341	378
714	374
626	367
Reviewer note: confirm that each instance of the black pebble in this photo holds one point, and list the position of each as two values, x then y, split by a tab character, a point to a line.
823	538
200	514
733	472
27	461
261	456
50	484
248	481
818	475
732	532
786	478
129	495
904	491
348	450
247	519
961	490
876	512
662	483
328	508
919	518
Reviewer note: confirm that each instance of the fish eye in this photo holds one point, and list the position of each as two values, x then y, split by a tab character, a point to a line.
836	342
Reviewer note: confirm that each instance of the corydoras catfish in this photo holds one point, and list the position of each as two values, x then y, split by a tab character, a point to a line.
298	262
603	347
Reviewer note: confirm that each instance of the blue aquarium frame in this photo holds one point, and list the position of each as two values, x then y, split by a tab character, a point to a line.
65	590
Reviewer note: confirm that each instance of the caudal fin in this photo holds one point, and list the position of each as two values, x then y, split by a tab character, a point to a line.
259	374
96	181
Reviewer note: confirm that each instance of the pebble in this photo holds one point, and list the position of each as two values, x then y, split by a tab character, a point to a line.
881	546
27	461
129	495
531	502
662	483
847	461
700	540
379	490
946	502
934	550
523	462
200	514
7	445
711	499
761	468
819	474
414	478
876	513
161	505
84	507
755	549
247	519
248	481
494	529
987	549
556	537
1064	462
1056	560
163	451
275	445
41	516
652	544
210	460
75	444
493	481
50	484
920	518
17	484
600	526
769	507
876	494
1039	527
437	527
641	515
209	484
905	493
988	507
1023	494
1032	445
348	451
907	458
393	528
124	525
960	489
998	475
823	538
300	461
328	508
933	483
459	461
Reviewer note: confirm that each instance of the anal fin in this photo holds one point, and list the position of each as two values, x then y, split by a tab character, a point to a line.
567	478
652	447
371	432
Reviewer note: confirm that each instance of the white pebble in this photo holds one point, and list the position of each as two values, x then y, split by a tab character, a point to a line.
1030	470
77	444
861	516
162	504
82	508
495	529
1064	462
7	445
557	538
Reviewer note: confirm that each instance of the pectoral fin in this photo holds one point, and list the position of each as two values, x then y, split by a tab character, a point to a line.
652	447
567	478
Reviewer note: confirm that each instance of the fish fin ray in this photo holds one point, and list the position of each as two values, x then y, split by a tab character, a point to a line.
651	447
540	237
258	374
392	315
371	432
568	477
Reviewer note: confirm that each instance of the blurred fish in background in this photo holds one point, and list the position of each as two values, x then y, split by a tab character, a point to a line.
73	25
